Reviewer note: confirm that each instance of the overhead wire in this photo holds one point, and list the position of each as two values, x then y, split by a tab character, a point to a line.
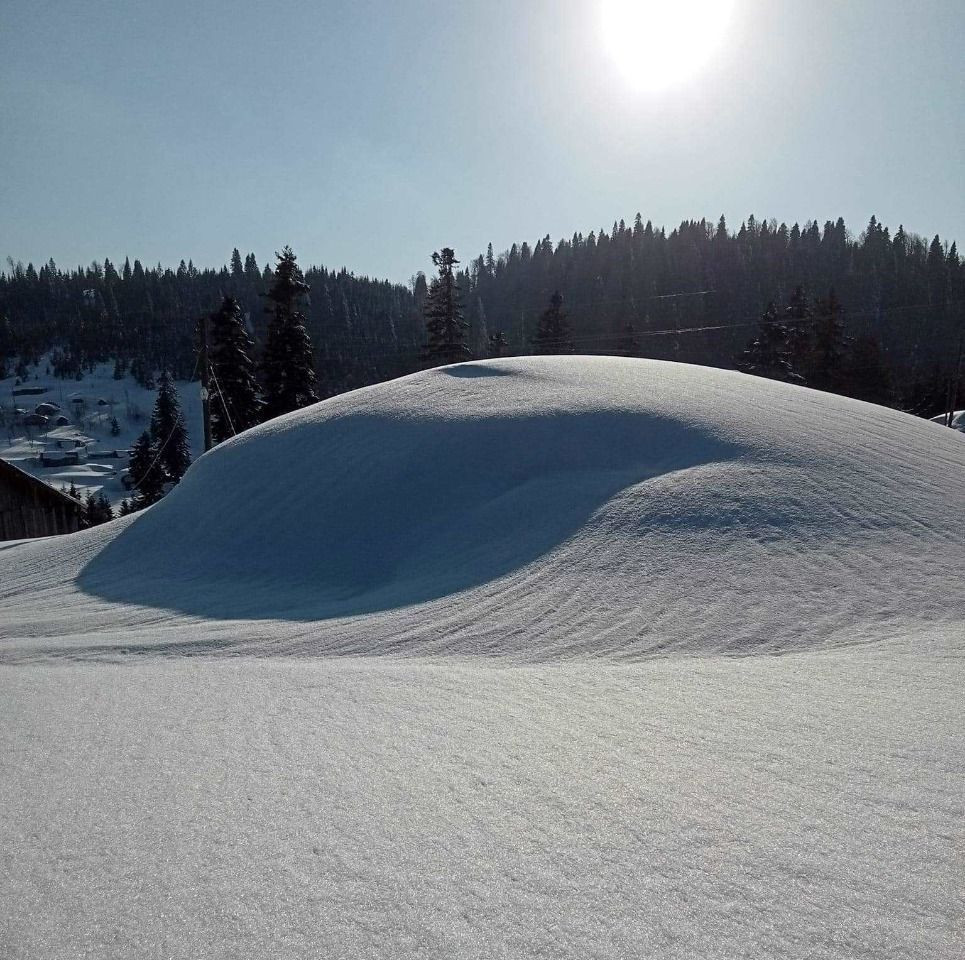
612	338
224	400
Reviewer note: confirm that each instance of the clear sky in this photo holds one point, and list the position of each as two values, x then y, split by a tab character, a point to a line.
367	134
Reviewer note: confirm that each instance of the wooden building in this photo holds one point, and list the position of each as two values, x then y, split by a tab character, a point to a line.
31	508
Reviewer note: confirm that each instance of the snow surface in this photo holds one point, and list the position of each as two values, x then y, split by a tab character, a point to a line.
559	657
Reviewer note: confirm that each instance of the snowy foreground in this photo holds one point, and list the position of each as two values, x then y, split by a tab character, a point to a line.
562	658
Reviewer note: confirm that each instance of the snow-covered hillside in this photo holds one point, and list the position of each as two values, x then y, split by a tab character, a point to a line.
570	657
535	509
89	405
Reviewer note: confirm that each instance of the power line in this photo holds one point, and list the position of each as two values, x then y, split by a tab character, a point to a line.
224	402
740	323
613	338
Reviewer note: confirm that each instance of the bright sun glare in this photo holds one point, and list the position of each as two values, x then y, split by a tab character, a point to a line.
657	43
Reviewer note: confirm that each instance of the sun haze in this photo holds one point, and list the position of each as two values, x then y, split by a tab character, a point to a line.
181	130
657	43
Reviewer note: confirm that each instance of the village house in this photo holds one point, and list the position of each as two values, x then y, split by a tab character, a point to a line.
63	458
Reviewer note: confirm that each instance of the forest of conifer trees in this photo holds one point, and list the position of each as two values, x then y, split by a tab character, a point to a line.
696	294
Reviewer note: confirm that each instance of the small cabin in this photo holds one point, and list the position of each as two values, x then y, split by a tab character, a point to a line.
62	458
30	508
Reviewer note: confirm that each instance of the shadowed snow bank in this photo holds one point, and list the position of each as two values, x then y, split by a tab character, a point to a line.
535	508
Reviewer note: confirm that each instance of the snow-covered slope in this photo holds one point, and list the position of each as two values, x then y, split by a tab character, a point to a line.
532	508
475	724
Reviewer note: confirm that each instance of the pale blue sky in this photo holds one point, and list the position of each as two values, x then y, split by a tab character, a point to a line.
368	134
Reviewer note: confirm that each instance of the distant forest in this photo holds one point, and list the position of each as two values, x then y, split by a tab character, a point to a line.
696	294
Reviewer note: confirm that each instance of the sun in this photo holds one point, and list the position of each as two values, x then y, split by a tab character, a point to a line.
659	43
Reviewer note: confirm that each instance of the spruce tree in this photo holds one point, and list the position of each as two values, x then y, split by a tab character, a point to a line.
866	375
88	516
553	333
497	343
252	273
235	405
798	319
168	432
146	473
97	510
828	345
445	324
6	344
288	371
768	354
490	261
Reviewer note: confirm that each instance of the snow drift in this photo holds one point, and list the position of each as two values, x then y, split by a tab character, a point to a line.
534	508
600	802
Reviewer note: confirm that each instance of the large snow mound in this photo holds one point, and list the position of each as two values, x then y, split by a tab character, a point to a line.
532	508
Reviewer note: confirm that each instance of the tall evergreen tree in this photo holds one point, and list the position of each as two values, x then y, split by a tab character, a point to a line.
6	344
798	318
235	405
445	325
97	510
828	345
490	262
252	273
168	432
497	344
768	354
553	333
145	472
866	375
288	371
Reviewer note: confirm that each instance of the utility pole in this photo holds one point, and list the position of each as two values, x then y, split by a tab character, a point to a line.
205	392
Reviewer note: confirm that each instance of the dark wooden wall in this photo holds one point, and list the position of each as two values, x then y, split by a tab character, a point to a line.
27	511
